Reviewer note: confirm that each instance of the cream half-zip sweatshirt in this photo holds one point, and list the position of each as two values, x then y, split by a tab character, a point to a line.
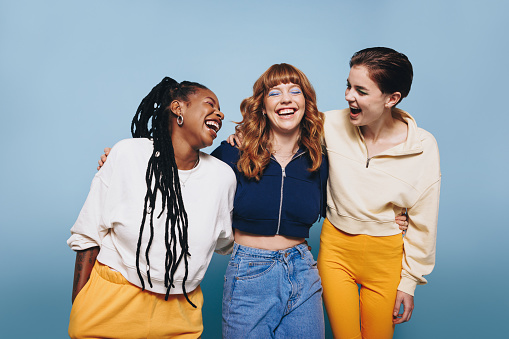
365	195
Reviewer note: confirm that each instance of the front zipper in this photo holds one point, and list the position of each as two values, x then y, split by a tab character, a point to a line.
283	176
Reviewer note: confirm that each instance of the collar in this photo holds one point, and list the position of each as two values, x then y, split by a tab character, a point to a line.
412	144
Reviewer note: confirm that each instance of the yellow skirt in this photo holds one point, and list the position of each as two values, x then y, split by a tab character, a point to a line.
109	306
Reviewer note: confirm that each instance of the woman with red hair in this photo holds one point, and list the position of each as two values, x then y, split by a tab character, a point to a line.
272	288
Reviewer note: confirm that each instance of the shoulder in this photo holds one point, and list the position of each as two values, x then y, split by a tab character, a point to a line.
337	119
420	133
429	145
128	146
338	129
126	156
227	153
218	169
429	157
129	152
335	112
416	134
427	137
225	150
337	115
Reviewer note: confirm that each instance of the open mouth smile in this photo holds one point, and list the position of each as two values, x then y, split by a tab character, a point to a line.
213	126
286	111
354	112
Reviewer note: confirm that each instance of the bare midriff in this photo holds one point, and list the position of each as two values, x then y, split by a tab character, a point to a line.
266	242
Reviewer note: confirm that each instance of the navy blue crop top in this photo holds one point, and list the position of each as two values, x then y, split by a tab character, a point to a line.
286	201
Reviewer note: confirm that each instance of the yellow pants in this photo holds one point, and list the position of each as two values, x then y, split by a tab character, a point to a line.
346	260
109	306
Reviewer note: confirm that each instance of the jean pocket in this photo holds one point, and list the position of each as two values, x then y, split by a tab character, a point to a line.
254	269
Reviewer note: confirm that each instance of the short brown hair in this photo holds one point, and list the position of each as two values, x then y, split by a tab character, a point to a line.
389	69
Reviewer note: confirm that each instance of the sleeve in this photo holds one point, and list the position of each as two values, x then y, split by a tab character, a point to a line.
92	223
224	243
225	240
420	240
324	176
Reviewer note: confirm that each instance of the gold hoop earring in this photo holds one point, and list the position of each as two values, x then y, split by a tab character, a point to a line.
180	120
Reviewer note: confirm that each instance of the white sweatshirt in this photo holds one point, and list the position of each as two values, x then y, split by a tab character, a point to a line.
112	214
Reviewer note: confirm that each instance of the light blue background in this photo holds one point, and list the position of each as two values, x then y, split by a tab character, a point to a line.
72	75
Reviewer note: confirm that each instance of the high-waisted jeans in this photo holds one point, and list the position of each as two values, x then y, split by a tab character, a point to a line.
272	294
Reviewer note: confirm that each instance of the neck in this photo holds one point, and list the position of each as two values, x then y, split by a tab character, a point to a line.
380	128
185	156
284	143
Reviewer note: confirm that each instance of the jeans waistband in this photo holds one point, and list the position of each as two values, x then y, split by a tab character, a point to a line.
300	249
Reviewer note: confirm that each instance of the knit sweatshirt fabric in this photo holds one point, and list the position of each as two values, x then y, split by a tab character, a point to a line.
112	214
365	195
286	200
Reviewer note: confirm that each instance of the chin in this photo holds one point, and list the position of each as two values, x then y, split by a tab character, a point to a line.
208	143
355	122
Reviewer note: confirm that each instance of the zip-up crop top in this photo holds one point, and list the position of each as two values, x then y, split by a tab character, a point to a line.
286	201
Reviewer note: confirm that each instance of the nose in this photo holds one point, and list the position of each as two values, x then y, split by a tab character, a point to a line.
219	114
348	95
286	97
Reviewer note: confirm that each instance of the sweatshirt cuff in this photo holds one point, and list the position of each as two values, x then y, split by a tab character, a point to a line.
407	285
225	250
78	242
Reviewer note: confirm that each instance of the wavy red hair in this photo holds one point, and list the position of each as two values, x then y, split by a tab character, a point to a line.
255	128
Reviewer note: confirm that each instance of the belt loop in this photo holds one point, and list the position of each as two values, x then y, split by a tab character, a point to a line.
235	248
301	250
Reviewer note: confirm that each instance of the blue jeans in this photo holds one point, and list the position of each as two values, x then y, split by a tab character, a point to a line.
272	294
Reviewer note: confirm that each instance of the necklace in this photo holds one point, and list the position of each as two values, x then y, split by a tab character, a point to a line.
191	171
284	158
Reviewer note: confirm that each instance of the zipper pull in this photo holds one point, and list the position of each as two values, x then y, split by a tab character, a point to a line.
367	162
284	173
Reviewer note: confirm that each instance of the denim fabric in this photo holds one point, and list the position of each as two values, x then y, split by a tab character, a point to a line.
272	294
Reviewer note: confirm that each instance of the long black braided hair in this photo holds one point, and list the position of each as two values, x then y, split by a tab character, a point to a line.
152	120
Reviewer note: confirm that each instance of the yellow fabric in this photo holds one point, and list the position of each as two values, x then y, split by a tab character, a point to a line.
364	197
109	306
373	262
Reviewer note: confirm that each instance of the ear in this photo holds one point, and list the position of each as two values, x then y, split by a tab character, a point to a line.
176	107
392	99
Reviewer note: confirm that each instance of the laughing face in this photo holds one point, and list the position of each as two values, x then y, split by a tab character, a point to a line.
366	100
285	106
202	118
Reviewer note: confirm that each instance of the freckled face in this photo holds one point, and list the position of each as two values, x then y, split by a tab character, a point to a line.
285	107
366	100
202	118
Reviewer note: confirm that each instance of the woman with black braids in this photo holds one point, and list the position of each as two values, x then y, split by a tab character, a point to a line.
154	215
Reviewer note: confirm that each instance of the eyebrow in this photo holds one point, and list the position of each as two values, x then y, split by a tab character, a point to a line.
215	103
357	87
